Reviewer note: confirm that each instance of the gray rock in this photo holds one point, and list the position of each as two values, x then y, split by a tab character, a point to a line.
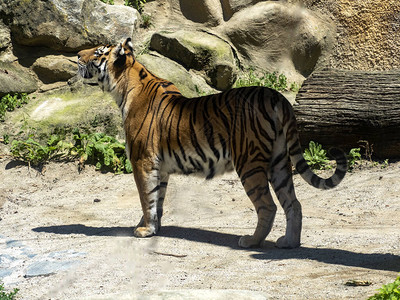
14	78
52	68
230	7
281	37
48	267
5	272
207	12
189	84
199	51
68	25
83	107
5	38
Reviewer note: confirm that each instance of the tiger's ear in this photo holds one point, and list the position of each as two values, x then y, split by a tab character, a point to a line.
120	56
128	44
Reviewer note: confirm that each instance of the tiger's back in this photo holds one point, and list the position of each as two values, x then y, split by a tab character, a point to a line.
252	130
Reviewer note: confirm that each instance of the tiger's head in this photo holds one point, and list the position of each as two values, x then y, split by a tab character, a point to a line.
106	63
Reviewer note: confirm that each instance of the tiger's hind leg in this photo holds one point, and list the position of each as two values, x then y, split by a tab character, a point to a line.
282	183
255	183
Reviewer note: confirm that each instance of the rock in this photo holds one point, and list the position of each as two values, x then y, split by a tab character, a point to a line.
208	12
189	84
280	37
45	267
199	51
86	107
54	68
230	7
14	78
5	38
68	25
15	255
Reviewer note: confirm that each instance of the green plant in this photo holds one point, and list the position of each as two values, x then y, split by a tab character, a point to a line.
7	295
108	1
390	291
315	156
136	4
35	153
271	80
11	102
6	139
353	156
99	149
146	21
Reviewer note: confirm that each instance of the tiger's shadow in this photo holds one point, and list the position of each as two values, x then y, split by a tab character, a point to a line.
375	261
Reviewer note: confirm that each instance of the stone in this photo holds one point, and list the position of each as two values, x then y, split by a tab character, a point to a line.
15	79
49	267
199	51
52	68
5	38
207	12
188	83
277	36
229	7
68	25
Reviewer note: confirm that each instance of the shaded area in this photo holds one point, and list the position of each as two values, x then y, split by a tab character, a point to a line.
86	230
375	261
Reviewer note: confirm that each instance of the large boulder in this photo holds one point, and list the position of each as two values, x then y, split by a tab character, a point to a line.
199	51
207	12
14	79
5	38
278	36
67	25
52	68
188	83
229	7
77	106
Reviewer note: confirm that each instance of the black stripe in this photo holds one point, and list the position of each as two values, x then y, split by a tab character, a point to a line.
154	190
315	180
178	161
211	169
251	173
283	184
142	74
193	139
302	166
329	183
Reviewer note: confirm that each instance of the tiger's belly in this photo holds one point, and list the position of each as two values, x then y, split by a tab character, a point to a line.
207	165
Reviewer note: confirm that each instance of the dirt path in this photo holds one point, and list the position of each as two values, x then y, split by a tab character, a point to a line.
65	235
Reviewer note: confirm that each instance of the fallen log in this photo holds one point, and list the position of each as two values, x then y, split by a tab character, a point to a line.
339	108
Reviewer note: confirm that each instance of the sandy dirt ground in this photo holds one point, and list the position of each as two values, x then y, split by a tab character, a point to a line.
349	233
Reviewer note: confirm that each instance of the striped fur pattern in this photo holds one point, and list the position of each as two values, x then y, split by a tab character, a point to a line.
250	130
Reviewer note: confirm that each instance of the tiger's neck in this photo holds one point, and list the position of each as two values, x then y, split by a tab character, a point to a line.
135	87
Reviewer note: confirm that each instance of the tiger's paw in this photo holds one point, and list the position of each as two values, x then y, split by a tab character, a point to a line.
283	242
248	241
144	232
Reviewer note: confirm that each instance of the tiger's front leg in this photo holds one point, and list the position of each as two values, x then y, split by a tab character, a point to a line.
150	189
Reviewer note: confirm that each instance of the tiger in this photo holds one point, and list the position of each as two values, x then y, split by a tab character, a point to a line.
251	130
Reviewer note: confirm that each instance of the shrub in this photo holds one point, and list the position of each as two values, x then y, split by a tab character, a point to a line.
11	102
315	156
271	80
99	149
136	4
390	291
7	296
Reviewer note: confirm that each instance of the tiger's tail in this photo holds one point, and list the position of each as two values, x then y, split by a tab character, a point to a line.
300	164
311	178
